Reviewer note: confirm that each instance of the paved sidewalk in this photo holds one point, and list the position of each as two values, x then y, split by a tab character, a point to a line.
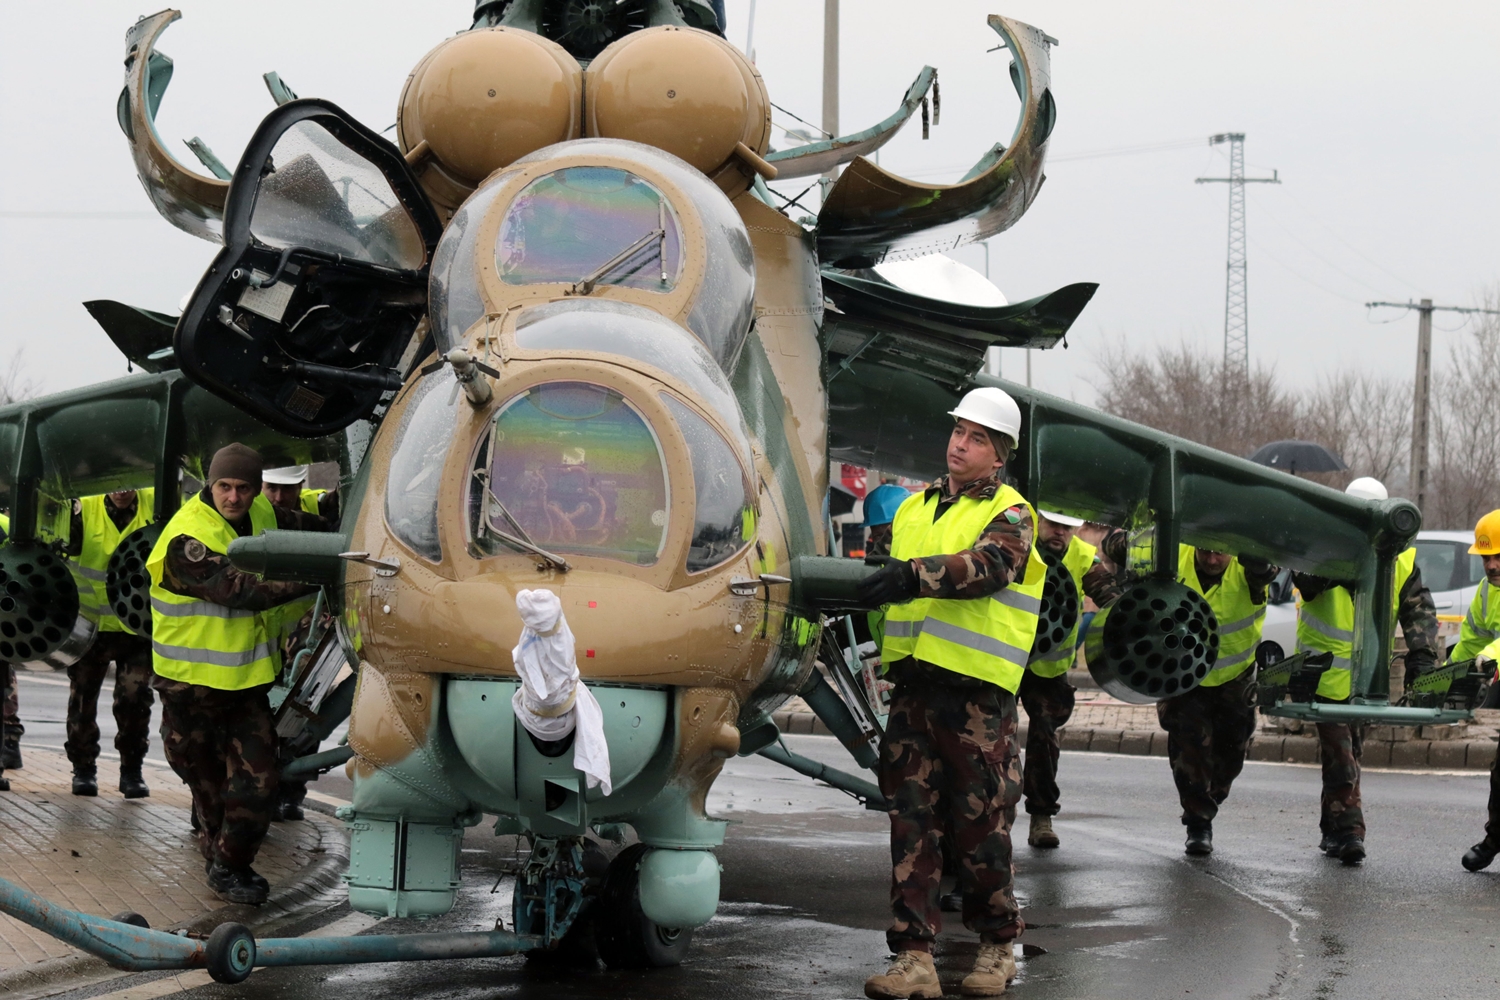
1103	724
107	854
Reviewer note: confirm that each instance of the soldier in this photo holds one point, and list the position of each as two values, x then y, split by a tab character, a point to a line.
1325	624
1045	692
1209	727
963	587
95	529
287	487
215	658
284	488
1479	639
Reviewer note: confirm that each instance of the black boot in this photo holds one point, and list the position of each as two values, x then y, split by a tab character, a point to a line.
4	781
1478	857
951	902
132	785
1200	840
1328	843
1350	849
10	755
85	780
237	885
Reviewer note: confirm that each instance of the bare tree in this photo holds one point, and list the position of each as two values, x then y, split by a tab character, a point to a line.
1464	481
15	384
1182	391
1362	418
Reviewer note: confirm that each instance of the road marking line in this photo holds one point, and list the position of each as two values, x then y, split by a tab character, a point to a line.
49	681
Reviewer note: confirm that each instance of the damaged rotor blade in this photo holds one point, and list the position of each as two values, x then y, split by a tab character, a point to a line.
826	154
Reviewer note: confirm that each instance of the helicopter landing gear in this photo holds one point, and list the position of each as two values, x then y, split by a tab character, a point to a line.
626	937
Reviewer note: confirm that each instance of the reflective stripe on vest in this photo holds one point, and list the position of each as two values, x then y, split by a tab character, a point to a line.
1480	627
1326	625
200	642
1078	559
1240	618
987	639
100	539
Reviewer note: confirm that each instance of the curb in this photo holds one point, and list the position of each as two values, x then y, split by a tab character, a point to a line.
290	903
1448	755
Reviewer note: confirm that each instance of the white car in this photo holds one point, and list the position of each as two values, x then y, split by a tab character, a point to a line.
1448	570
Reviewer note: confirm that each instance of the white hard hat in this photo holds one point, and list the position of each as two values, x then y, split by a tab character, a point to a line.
287	475
1367	488
992	408
1063	519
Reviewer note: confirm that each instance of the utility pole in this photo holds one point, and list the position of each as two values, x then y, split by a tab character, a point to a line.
1422	392
830	80
1236	294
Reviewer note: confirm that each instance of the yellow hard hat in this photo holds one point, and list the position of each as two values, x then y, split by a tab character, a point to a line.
1487	535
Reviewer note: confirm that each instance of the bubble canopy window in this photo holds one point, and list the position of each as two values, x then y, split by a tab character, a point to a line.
574	468
590	223
320	195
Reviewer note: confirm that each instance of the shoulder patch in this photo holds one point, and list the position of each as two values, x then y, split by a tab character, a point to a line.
1013	515
194	550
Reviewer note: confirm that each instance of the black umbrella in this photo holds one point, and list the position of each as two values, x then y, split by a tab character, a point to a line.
1298	456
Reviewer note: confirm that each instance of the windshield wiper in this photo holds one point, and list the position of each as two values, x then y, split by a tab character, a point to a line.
521	540
586	285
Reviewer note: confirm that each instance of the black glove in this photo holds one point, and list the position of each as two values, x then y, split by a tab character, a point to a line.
1256	564
895	583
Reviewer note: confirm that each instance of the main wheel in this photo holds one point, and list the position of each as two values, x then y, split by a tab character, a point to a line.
231	953
626	937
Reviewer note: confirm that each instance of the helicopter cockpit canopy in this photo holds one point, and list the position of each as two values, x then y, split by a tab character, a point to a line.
600	220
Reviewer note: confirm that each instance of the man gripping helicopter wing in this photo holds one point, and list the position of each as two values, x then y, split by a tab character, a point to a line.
963	584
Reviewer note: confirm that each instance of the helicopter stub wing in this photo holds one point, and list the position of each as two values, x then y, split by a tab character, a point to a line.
187	199
143	336
875	323
129	433
871	215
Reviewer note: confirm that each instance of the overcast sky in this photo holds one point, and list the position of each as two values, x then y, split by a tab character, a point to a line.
1380	117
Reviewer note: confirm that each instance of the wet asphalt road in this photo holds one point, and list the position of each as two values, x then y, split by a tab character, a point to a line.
1117	912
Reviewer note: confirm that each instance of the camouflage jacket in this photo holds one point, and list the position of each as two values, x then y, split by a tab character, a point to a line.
991	562
1415	611
878	540
1101	584
193	570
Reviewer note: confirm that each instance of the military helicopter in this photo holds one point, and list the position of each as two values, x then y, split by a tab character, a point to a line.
561	335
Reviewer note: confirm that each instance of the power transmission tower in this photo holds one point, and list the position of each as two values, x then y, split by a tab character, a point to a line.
1236	301
1422	394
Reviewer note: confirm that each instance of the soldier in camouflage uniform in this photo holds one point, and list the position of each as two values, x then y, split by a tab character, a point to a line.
1340	745
950	758
1049	701
1209	728
222	743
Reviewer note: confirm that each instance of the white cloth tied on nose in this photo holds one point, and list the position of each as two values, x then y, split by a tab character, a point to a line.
552	702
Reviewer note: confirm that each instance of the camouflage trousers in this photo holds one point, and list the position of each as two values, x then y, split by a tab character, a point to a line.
132	699
1049	705
1208	734
223	745
1340	748
12	705
949	765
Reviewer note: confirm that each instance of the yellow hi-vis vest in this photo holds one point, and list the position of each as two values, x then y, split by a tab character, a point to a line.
1326	625
1078	560
985	637
100	539
1479	635
310	500
199	642
1240	618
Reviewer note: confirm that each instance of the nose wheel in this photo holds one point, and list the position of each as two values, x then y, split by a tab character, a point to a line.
626	937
